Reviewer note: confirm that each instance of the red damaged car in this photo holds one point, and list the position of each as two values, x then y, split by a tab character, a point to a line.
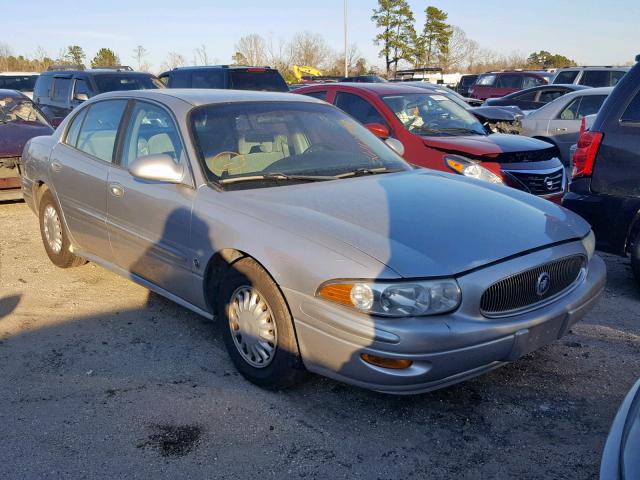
20	120
437	133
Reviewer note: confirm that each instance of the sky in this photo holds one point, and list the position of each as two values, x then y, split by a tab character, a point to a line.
590	31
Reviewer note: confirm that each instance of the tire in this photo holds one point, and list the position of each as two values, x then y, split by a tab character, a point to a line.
635	256
50	220
284	366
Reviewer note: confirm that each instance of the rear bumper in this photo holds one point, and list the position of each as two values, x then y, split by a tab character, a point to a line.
10	188
444	349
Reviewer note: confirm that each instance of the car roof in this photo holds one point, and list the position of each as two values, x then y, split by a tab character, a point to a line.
12	93
386	88
603	67
548	86
592	91
94	71
204	96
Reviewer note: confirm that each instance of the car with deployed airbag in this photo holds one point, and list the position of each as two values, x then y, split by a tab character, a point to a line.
312	242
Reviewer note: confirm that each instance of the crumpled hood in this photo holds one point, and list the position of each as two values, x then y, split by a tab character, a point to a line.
490	147
420	223
14	135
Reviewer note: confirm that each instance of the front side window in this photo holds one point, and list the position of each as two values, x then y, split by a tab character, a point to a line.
433	115
19	110
61	88
358	108
616	76
151	131
208	79
99	130
530	82
82	86
119	82
74	128
257	79
570	112
486	80
291	138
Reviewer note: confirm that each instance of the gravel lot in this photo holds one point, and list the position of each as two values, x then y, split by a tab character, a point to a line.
101	379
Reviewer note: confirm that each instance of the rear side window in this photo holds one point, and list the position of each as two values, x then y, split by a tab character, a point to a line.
486	80
509	81
467	80
550	95
567	76
632	113
22	83
43	84
61	88
616	76
179	79
590	104
526	97
358	108
207	79
596	78
571	111
112	83
530	82
98	133
257	79
319	95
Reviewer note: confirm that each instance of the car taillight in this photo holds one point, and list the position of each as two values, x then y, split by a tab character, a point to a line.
256	70
586	152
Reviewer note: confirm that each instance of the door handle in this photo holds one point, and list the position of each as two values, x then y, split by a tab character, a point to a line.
116	189
56	167
561	129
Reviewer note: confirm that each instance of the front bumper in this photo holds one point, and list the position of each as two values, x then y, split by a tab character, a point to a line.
445	349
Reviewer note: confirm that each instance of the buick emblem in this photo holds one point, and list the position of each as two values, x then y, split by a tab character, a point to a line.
543	284
548	183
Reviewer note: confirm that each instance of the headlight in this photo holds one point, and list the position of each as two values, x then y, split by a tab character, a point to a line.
401	299
471	168
589	244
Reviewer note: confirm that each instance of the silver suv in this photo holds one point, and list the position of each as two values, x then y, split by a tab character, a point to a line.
590	76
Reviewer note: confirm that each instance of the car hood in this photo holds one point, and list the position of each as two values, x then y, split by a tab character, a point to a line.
13	136
497	147
420	223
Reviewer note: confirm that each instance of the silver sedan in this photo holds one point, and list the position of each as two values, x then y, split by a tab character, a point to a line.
558	122
313	242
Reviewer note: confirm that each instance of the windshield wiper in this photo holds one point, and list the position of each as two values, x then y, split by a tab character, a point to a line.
461	130
358	172
276	177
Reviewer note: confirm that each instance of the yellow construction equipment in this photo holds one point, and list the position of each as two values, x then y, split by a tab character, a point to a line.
300	71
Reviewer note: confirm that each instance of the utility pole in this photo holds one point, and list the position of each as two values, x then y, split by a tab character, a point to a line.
346	42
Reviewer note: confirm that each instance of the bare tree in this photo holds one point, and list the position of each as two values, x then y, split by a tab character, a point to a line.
310	49
253	49
278	55
173	60
139	55
5	53
201	55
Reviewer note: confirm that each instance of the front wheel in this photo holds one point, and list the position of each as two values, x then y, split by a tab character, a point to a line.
54	236
257	327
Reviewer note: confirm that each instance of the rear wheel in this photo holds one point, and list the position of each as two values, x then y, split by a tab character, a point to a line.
54	236
257	327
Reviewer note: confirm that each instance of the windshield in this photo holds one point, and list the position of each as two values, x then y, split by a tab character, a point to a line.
19	110
22	83
257	79
112	83
431	114
287	138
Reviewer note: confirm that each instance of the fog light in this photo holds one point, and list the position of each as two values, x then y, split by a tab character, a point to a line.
394	363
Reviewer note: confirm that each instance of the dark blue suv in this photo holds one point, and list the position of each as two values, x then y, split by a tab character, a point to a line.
605	188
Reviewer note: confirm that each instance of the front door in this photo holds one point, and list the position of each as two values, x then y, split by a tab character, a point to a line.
79	170
149	222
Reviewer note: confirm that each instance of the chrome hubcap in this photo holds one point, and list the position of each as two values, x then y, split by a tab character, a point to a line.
52	229
253	327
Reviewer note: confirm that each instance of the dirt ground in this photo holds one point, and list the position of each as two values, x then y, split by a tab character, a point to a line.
101	379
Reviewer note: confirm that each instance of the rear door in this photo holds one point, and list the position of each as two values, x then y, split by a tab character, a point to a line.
79	170
149	222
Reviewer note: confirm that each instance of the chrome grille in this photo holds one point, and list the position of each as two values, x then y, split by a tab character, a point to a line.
540	183
522	290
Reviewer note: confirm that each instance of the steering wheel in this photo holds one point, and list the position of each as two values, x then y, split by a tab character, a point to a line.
322	146
224	162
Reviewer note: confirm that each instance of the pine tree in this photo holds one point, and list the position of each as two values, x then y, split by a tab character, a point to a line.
433	46
105	58
396	19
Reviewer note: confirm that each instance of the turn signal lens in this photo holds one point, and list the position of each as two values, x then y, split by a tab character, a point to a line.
394	363
337	292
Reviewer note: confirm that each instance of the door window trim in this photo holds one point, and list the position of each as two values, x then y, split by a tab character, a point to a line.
124	127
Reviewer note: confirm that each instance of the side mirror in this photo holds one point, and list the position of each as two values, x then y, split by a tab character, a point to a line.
158	168
378	130
56	121
395	145
81	97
